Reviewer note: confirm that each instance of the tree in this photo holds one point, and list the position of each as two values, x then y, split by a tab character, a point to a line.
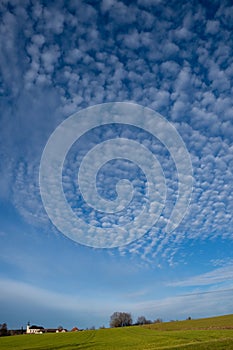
142	320
3	330
120	319
158	320
60	328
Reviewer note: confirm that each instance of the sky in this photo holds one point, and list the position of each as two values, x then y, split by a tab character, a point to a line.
127	105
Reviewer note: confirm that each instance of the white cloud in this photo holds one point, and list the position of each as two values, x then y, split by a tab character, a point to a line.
11	289
76	307
219	275
48	307
164	62
194	305
212	27
54	20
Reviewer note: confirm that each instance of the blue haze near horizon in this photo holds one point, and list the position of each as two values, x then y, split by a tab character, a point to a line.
57	58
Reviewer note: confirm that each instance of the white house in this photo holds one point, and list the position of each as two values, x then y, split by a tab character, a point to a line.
34	329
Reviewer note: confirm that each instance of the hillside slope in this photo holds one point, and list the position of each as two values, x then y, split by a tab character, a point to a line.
211	333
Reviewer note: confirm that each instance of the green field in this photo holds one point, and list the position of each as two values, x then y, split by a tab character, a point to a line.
211	333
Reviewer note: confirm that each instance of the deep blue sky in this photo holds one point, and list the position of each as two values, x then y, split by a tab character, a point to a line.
57	58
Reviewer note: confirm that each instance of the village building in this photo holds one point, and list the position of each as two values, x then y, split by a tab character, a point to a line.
34	329
39	329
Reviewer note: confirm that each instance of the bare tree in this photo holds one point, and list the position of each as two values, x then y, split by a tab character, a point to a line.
3	330
120	319
158	320
142	320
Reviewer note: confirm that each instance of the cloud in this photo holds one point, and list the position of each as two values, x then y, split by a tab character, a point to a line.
195	305
36	303
217	276
212	27
11	289
76	308
177	61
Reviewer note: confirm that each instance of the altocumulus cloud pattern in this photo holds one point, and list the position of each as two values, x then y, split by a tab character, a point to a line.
174	59
73	128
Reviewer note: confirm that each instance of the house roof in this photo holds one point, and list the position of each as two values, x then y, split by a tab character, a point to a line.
36	327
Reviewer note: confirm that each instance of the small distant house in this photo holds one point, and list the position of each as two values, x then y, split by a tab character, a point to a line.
75	329
50	330
34	329
61	330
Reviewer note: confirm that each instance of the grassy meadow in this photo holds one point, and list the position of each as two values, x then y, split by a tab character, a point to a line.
211	333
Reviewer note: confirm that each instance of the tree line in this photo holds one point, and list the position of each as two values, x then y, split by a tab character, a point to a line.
123	319
4	331
117	319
